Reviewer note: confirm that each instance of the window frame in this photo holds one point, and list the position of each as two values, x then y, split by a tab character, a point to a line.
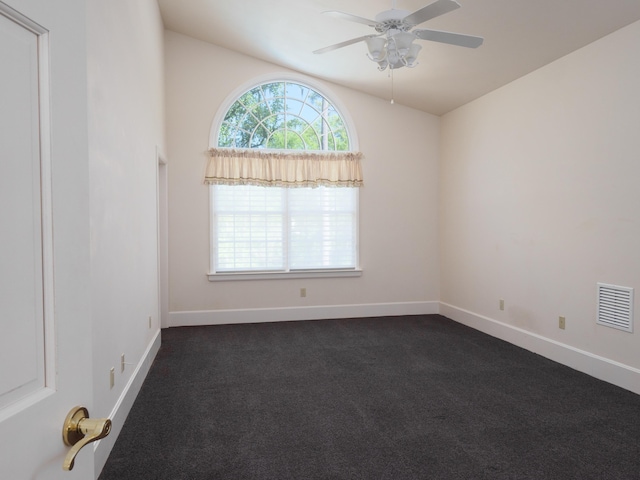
213	143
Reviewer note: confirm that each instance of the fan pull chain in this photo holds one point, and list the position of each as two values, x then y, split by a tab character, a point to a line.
392	90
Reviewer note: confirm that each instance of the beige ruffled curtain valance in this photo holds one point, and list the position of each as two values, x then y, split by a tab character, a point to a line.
283	169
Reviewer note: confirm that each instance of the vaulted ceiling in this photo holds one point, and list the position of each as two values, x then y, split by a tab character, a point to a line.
519	37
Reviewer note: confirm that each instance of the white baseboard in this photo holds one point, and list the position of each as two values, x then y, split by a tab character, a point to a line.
599	367
258	315
120	411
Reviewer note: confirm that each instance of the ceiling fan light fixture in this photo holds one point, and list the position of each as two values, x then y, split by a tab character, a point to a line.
376	46
397	50
402	42
394	57
411	57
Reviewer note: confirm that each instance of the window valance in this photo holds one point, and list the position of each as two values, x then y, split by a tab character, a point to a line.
228	166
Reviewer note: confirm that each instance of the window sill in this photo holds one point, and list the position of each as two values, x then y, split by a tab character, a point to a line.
218	277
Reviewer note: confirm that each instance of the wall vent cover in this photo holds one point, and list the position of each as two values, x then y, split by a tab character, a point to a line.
615	307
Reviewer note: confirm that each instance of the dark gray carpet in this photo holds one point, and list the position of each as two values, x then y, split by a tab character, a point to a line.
417	397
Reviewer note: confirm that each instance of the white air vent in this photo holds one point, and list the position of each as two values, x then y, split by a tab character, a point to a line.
615	307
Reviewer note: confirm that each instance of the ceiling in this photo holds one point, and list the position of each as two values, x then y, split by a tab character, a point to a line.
520	36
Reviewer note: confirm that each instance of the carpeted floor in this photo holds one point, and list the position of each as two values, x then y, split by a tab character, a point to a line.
417	397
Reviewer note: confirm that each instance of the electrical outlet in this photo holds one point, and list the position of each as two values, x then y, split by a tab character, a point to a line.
501	304
303	292
112	377
122	364
561	323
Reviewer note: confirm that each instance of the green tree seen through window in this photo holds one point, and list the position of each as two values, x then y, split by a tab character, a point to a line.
283	115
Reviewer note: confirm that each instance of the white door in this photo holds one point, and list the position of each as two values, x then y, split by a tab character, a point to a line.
45	326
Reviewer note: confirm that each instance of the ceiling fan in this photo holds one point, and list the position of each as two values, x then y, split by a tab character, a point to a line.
392	46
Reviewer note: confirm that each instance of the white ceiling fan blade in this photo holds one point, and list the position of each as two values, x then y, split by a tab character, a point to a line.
440	7
352	18
458	39
343	44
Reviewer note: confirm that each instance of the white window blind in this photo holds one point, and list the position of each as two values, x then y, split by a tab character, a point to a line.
322	225
284	229
249	228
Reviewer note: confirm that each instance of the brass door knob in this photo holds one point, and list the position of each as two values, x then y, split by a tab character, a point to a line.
80	430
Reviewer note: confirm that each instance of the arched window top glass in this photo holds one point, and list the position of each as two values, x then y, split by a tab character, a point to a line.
283	115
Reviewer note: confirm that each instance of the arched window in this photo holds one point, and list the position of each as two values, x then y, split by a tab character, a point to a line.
284	196
283	115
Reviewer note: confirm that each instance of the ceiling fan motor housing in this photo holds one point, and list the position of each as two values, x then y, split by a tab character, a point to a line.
392	20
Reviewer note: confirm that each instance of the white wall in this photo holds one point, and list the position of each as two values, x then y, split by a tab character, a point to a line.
398	204
540	200
126	122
